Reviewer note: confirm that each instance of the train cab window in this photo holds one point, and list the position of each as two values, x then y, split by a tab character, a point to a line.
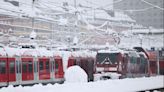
12	67
30	68
56	66
24	67
107	58
47	66
41	65
2	67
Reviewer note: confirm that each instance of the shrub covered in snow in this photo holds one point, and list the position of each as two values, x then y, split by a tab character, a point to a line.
75	74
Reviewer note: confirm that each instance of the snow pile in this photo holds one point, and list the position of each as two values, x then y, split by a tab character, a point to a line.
75	74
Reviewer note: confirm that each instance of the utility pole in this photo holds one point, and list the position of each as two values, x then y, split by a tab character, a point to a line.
33	15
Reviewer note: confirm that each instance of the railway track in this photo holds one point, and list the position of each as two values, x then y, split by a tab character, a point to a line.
154	90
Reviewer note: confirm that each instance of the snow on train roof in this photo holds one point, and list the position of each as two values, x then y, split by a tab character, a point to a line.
39	52
2	52
11	51
26	52
84	53
142	53
112	51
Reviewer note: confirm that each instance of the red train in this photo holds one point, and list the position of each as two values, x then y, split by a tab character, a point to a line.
124	63
155	57
31	66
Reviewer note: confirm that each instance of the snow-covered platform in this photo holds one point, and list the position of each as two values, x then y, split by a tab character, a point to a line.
118	85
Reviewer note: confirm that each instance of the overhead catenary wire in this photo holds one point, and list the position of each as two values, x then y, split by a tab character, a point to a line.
135	10
153	5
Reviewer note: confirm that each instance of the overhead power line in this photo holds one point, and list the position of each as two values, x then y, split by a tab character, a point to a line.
153	5
136	10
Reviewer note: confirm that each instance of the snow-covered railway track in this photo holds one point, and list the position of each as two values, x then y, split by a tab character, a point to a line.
154	90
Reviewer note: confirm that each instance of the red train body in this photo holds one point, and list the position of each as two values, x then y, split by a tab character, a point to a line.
31	66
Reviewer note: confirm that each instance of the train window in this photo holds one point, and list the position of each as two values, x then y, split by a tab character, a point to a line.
12	67
24	67
41	65
2	67
56	66
30	68
47	66
133	60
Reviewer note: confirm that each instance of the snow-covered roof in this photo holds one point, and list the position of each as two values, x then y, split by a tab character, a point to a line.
8	6
8	9
101	14
123	17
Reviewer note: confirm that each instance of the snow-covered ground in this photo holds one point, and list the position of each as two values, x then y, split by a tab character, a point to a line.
120	85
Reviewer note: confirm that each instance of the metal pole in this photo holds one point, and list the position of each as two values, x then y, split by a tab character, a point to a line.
158	67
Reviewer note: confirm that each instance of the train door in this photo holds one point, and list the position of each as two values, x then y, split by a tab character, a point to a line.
27	69
59	73
18	70
71	61
84	64
153	67
90	69
12	69
44	68
3	71
124	65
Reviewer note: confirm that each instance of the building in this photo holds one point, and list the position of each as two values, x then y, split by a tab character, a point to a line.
149	13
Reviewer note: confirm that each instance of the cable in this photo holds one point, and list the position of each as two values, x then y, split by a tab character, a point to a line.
152	5
90	2
136	10
111	3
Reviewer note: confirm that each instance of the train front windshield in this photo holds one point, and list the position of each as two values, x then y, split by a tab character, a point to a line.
107	58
